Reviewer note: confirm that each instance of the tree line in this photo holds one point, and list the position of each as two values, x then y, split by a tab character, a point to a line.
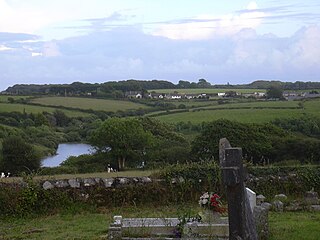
117	89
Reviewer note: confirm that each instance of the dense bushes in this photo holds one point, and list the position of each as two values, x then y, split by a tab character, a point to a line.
17	200
307	125
261	143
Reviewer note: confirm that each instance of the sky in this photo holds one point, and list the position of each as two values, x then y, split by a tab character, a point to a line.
95	41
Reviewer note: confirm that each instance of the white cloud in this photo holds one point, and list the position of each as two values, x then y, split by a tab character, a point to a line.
4	48
51	49
24	19
129	53
306	51
207	26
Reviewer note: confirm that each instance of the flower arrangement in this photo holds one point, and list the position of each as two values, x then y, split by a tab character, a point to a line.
211	202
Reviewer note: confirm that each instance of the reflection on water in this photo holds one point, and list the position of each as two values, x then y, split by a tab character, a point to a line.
66	150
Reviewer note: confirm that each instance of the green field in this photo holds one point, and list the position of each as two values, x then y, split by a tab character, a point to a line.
251	112
4	98
240	115
87	225
89	103
205	90
13	107
313	107
257	104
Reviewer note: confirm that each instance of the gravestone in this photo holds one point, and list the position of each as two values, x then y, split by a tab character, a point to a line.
241	221
252	198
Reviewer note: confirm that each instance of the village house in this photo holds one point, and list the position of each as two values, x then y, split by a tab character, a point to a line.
156	95
133	94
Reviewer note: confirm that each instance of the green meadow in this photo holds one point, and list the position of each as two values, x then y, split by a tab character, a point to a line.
251	112
89	103
4	98
240	115
15	107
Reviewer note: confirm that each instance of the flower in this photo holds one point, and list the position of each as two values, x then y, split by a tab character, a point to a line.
211	201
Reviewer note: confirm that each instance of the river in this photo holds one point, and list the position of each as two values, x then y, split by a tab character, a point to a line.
64	151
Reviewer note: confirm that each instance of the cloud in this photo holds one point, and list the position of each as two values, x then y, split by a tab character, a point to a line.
10	37
125	53
23	19
208	26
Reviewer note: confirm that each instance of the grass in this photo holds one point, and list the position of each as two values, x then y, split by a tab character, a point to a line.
294	226
4	98
249	112
86	225
205	90
94	225
89	103
241	115
8	107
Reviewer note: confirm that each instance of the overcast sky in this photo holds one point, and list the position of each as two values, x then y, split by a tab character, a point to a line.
62	41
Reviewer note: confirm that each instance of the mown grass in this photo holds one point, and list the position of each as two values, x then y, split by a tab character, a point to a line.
14	107
205	90
94	225
89	103
294	226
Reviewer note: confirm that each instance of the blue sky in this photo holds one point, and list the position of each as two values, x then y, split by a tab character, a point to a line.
62	41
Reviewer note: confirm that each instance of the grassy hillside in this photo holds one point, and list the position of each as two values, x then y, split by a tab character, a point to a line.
88	103
8	107
241	115
255	112
4	98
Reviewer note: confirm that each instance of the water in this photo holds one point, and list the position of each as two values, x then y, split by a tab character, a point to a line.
66	150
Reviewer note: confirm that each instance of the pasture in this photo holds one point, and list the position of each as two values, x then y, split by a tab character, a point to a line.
251	112
240	115
14	107
89	103
205	90
4	98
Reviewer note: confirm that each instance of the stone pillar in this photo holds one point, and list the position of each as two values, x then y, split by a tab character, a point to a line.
241	221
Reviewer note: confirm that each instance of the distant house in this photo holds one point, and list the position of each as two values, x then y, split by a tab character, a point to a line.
174	96
221	94
133	94
190	96
254	95
156	95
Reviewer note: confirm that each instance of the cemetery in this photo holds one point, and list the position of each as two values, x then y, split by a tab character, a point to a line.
247	209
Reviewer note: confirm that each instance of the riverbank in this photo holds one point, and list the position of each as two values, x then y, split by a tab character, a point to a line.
64	151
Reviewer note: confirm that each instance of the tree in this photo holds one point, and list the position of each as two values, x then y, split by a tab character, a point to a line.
122	138
62	119
274	92
18	155
256	140
202	83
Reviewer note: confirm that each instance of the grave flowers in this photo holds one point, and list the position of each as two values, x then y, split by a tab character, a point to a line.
212	207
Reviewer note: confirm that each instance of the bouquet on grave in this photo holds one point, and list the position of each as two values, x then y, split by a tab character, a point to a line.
211	202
